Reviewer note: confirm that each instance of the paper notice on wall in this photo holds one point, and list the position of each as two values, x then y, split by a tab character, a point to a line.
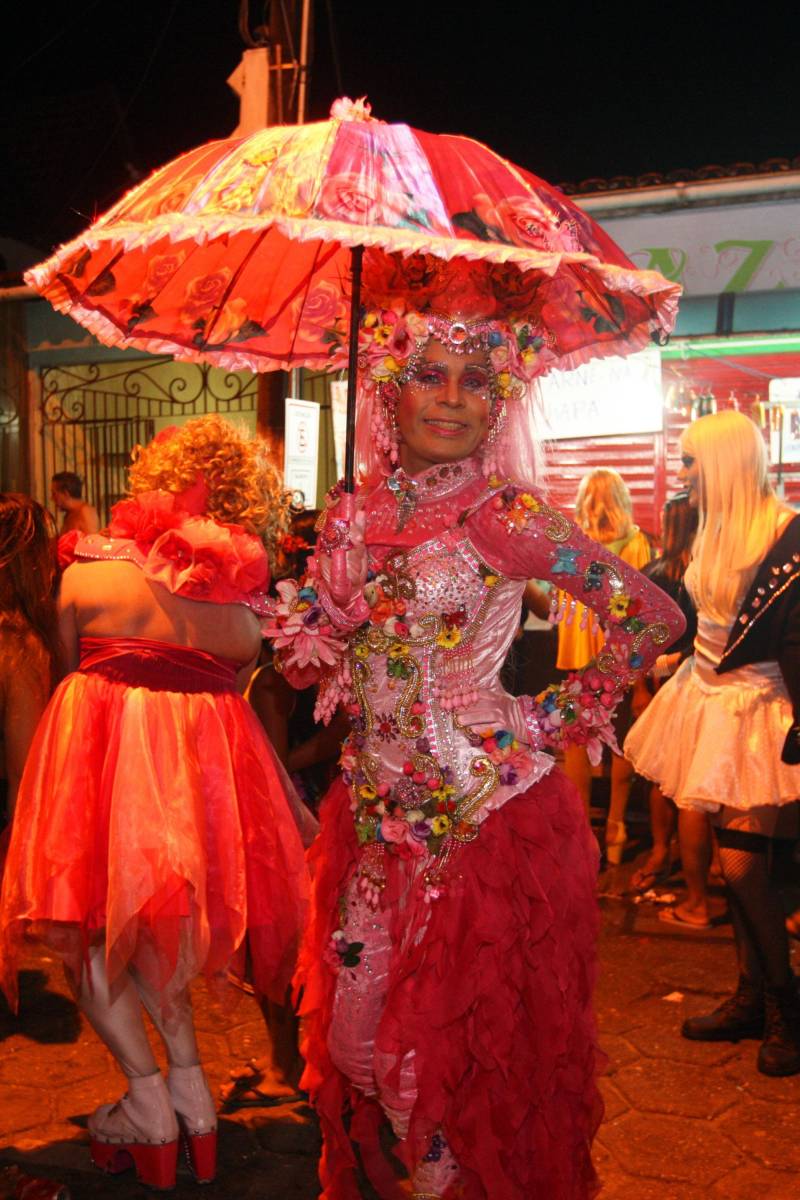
301	449
339	420
605	396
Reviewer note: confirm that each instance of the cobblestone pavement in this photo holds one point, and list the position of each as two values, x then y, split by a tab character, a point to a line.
684	1120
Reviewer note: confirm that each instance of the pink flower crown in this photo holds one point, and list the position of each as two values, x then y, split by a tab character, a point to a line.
464	305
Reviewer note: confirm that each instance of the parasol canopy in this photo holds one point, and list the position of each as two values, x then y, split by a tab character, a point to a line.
238	253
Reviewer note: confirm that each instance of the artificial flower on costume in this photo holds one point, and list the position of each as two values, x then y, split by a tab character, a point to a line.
448	637
301	630
579	712
342	953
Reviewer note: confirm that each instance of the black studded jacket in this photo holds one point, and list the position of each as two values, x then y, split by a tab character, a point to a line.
767	628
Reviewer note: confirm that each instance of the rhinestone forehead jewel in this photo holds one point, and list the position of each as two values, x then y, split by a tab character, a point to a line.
463	336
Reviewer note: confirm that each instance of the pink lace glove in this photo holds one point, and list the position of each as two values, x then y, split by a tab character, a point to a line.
341	564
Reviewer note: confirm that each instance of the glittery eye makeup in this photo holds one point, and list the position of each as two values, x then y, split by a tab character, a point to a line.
428	375
474	379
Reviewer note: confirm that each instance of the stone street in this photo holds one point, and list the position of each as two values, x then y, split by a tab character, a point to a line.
684	1120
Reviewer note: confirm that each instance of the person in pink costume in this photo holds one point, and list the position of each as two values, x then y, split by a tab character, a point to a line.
448	968
152	838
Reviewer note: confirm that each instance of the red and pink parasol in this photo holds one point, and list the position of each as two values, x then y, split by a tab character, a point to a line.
246	253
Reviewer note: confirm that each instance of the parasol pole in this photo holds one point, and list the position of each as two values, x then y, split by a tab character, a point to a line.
356	258
346	509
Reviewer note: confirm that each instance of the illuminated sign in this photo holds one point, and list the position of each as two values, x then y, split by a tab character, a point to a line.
605	396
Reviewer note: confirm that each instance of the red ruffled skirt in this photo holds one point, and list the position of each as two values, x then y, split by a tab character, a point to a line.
153	815
491	989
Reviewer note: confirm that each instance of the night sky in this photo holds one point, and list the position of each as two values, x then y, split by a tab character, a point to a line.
97	94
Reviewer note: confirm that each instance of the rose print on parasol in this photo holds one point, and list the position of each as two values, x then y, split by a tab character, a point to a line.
247	253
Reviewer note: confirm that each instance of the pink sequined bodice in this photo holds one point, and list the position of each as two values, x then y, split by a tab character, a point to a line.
449	569
437	743
460	615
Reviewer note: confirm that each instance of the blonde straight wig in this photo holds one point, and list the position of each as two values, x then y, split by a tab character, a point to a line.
603	507
737	508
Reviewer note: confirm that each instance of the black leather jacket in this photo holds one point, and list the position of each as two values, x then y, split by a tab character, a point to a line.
767	628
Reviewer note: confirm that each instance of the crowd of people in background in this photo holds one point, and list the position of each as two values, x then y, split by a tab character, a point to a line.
712	731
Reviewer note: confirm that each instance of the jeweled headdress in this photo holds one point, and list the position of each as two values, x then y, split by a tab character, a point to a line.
463	306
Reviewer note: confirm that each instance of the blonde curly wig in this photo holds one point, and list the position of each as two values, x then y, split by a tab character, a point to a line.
243	487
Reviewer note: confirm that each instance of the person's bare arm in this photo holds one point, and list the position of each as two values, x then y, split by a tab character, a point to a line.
68	621
323	746
273	701
536	600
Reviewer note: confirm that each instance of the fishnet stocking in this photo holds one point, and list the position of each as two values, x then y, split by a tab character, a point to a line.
757	913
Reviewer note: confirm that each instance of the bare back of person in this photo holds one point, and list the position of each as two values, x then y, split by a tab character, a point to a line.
114	599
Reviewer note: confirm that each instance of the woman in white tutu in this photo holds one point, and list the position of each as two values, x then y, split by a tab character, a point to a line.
723	735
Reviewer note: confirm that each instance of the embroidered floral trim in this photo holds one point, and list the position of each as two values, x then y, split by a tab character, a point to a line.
517	509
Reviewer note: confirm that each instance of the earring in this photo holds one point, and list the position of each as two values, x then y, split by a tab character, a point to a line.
384	420
497	421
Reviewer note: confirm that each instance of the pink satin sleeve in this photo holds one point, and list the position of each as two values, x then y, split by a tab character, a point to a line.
537	542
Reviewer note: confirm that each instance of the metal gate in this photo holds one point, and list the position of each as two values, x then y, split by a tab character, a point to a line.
93	414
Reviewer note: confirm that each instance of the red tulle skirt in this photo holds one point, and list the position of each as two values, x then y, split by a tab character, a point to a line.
494	997
152	815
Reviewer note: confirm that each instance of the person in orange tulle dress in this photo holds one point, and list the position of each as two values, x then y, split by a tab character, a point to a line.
153	837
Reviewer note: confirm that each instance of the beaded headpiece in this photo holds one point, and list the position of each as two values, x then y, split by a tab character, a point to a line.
462	305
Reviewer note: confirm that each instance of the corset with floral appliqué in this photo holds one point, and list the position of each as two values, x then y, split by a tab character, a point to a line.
441	622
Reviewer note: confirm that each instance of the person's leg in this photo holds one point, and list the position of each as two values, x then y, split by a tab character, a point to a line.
694	837
141	1127
747	864
662	827
116	1016
616	834
759	926
174	1022
186	1082
577	767
741	1015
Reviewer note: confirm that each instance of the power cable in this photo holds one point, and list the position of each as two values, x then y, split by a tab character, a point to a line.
51	40
337	66
131	100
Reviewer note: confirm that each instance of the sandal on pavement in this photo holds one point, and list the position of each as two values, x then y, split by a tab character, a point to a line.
255	1087
138	1131
197	1119
644	879
672	916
